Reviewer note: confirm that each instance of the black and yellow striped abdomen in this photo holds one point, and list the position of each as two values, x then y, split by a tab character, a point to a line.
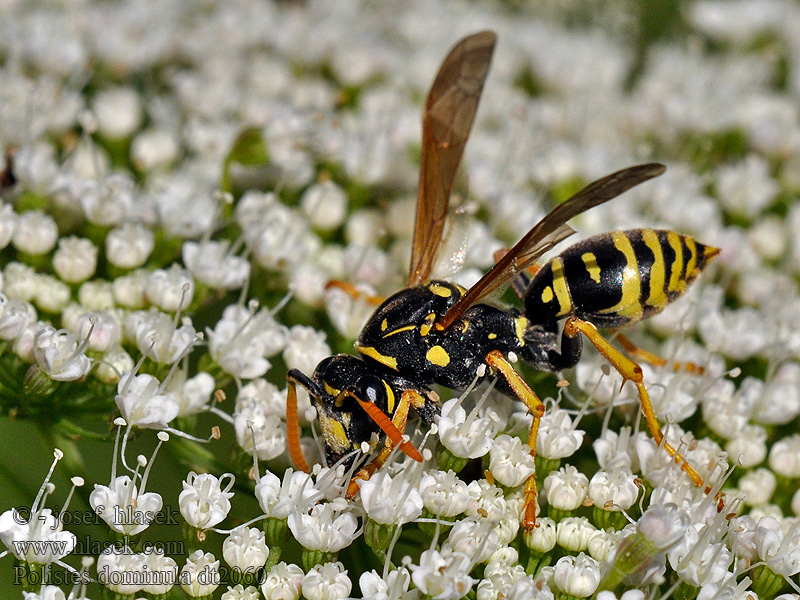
614	279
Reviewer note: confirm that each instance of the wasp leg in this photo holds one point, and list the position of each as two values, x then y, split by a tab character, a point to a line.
653	359
521	390
353	291
399	421
631	371
295	377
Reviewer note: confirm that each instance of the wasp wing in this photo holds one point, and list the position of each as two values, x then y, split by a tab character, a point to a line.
449	112
548	232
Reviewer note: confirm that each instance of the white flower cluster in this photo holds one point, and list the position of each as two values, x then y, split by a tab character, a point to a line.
197	198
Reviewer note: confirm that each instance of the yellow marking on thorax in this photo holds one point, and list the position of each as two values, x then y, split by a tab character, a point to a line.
691	264
547	294
329	389
628	305
438	356
440	290
384	325
334	434
590	262
520	325
675	280
425	328
492	336
657	296
560	288
389	397
388	361
399	330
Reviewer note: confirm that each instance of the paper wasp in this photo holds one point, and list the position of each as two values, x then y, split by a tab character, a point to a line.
435	332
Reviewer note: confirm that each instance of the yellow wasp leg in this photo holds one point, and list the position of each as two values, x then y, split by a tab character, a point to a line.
630	371
293	427
653	359
353	291
399	419
521	390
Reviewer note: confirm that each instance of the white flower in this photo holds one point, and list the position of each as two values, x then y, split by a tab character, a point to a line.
204	503
162	572
239	592
602	544
171	290
123	507
242	339
279	499
36	233
254	423
8	223
305	348
37	537
128	290
283	582
16	315
279	237
144	402
390	500
443	494
114	362
749	447
573	533
60	354
121	570
759	485
577	575
510	461
245	549
348	312
52	295
154	148
96	294
194	393
159	336
75	259
780	550
784	456
118	111
106	201
663	525
443	575
202	572
614	491
213	264
567	488
129	245
21	282
326	527
47	592
475	539
325	204
394	587
327	582
542	538
465	437
557	438
486	500
102	329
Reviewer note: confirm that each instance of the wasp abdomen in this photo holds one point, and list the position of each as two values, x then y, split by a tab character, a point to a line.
616	278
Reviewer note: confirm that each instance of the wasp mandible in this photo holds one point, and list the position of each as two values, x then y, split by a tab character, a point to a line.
438	333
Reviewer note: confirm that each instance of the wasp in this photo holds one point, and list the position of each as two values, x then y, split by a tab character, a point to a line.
438	333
